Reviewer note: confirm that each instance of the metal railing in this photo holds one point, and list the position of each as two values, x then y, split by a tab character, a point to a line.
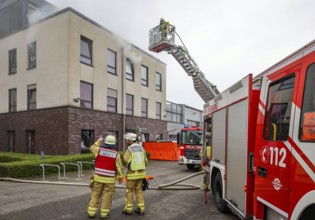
64	169
81	165
50	165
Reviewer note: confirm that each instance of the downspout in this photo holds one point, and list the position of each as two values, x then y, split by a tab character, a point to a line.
123	96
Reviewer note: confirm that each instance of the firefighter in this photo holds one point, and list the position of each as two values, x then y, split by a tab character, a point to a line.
136	161
108	164
205	158
164	28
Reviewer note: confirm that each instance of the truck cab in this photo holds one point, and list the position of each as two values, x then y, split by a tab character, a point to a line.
189	141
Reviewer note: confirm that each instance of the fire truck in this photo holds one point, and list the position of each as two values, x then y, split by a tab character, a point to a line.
189	141
262	133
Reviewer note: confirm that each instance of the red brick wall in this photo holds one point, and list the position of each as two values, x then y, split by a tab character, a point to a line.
58	130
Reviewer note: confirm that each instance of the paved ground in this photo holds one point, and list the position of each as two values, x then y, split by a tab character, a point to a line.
43	201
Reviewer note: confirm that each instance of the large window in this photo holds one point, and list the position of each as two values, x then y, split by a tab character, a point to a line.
86	51
307	131
86	95
129	104
12	100
158	110
111	61
158	82
144	75
174	112
111	100
278	109
31	51
11	141
129	70
31	97
12	61
144	107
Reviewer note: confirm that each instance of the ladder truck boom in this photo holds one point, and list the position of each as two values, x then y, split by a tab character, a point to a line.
162	38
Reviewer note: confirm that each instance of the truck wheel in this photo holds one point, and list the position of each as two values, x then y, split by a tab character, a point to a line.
190	166
218	194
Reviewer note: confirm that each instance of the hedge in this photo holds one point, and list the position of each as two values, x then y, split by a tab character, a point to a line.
17	165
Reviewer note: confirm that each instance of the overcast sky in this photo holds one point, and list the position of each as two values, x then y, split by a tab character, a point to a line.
227	38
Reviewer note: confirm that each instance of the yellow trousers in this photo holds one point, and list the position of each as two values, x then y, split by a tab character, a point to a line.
134	186
107	189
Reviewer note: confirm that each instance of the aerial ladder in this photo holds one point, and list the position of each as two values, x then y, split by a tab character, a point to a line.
162	38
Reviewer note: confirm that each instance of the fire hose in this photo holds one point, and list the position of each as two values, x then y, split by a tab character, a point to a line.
174	185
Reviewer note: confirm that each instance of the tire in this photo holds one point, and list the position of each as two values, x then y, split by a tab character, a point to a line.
220	203
190	166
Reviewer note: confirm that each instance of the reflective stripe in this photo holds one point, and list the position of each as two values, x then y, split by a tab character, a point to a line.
104	172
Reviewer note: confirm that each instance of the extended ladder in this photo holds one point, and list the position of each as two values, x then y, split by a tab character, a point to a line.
162	39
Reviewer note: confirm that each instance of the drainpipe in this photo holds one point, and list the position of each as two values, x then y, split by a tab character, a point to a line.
123	108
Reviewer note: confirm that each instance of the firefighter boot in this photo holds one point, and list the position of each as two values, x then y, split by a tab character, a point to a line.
139	212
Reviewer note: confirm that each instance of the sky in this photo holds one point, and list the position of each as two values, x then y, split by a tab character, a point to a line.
228	39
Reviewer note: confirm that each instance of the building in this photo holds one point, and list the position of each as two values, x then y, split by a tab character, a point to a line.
180	116
65	80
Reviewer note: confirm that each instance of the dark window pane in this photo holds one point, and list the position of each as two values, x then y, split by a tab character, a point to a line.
86	51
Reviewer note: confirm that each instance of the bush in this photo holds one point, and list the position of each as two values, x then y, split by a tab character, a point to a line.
17	165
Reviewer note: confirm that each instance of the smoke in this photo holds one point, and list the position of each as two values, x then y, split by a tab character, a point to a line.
129	51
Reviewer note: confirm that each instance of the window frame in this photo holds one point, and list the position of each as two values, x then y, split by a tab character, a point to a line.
158	110
109	96
144	107
129	111
272	112
111	69
144	80
130	76
86	57
158	81
31	105
12	61
308	99
31	55
82	100
12	100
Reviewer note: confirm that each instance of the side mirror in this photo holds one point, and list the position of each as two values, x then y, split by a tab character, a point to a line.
178	138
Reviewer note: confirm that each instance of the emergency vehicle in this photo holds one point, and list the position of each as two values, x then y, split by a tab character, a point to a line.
189	141
262	133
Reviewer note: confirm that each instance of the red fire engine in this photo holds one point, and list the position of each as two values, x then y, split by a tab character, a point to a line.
262	133
189	141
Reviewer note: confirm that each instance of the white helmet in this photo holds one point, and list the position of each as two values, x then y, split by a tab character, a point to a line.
130	136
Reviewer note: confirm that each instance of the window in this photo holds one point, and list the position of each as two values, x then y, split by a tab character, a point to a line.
278	109
11	141
307	122
87	139
31	51
129	70
111	100
30	142
31	97
12	61
174	112
158	110
86	51
158	82
86	95
111	62
144	75
144	108
129	104
12	100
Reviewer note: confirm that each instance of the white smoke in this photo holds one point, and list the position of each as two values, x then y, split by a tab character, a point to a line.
129	51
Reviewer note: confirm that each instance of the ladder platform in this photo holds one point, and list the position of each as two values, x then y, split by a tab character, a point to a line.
164	45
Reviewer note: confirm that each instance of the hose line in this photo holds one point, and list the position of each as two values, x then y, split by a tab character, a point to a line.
174	185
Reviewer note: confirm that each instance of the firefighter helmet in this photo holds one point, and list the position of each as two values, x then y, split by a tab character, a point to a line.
130	136
110	141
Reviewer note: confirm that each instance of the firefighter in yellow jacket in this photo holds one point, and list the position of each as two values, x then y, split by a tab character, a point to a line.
136	160
108	164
